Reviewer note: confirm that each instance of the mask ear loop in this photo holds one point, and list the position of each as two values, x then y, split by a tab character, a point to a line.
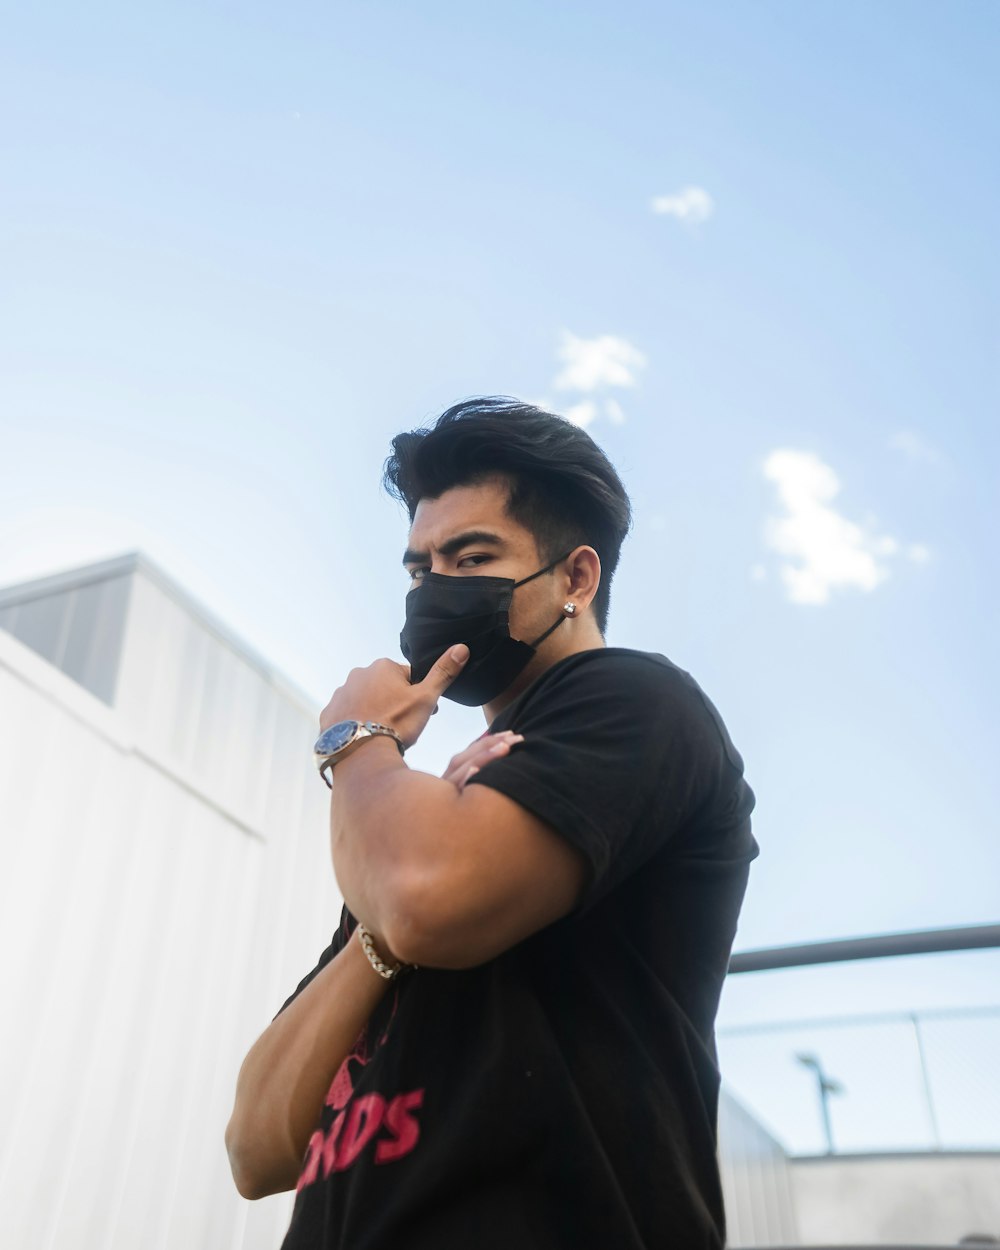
545	570
551	628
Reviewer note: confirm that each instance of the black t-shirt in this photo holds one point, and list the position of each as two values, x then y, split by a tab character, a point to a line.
564	1094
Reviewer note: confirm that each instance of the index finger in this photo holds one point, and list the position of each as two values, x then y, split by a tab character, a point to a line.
444	670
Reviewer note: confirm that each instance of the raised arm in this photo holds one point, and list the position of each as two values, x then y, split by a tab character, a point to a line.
450	877
462	878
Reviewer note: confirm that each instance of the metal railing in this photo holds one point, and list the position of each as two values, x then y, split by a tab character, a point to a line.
892	1080
879	946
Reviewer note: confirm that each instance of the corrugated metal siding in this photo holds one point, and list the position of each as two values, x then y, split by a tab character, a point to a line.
756	1181
165	884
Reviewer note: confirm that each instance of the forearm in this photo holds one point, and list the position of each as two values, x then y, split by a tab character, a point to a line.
394	840
286	1075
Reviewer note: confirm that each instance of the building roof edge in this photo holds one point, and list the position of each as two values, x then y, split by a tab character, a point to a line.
132	562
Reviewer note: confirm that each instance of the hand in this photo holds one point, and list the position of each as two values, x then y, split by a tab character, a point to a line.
467	762
383	692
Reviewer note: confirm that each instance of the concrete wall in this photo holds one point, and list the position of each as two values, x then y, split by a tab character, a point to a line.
919	1199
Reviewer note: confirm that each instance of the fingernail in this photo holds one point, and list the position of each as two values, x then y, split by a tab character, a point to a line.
460	653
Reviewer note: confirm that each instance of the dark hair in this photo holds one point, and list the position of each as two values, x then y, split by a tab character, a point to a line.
563	488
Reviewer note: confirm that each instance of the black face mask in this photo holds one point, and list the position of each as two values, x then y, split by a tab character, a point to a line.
442	611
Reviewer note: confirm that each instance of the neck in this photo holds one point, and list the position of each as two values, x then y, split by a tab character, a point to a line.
585	636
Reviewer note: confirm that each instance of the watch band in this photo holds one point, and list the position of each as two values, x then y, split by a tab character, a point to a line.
362	731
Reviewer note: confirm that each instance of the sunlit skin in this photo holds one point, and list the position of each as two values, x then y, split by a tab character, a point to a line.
436	894
536	605
467	875
382	691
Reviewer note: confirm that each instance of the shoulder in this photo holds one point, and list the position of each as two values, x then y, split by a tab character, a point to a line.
621	686
616	672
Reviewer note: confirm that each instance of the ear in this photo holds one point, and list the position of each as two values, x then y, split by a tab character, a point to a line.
584	570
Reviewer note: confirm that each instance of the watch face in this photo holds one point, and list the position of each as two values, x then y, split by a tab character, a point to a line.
335	737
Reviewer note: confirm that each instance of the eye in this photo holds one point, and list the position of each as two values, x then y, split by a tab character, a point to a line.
416	574
478	559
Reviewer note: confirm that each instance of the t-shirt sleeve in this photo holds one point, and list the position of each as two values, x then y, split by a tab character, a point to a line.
337	944
620	752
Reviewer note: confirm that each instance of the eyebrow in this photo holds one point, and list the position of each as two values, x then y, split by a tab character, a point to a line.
452	545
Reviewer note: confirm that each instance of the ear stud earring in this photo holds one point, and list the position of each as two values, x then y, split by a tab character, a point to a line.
569	608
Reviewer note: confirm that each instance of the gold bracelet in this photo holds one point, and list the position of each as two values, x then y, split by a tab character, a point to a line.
388	972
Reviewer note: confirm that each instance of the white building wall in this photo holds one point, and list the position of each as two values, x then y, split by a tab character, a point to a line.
756	1182
165	883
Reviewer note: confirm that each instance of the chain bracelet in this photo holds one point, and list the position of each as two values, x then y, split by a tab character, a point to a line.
386	971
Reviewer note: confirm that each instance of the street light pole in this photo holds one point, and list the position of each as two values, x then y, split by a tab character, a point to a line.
826	1088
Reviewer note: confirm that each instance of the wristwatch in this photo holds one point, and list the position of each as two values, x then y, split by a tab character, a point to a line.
337	742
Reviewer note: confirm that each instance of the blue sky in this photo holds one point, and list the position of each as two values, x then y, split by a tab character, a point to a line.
752	245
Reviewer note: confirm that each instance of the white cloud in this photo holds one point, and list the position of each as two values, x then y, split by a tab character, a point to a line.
918	553
613	411
581	414
822	550
691	205
914	446
591	364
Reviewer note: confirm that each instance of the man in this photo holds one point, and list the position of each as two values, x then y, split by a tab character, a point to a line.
509	1042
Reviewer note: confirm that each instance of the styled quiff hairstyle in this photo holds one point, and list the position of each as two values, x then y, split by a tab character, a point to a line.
563	488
